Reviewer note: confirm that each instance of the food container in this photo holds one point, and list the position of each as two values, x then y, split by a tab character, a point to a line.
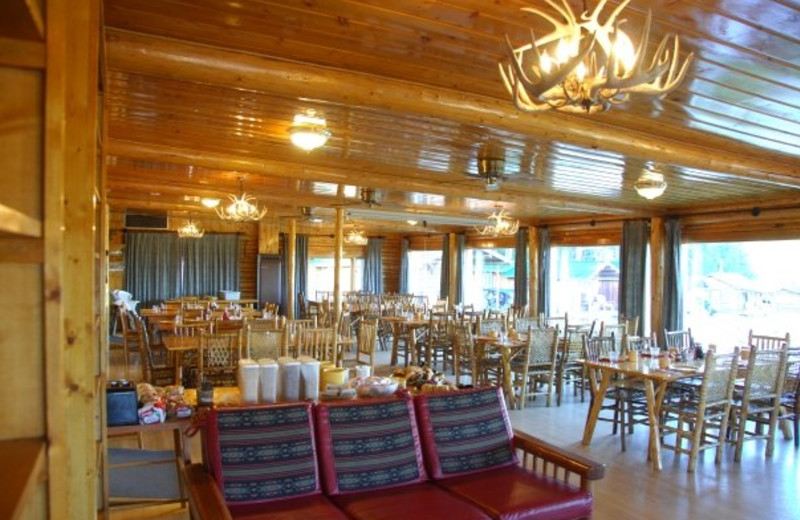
309	378
376	387
248	381
289	386
334	376
268	380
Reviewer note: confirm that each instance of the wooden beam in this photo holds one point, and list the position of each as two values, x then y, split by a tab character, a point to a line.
21	250
340	171
206	64
22	53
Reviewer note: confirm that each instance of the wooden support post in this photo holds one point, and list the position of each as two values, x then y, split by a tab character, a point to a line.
453	269
338	242
533	274
291	241
657	276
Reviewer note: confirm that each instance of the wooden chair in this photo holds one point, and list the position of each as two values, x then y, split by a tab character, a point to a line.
702	418
537	367
464	361
488	326
130	325
222	325
219	357
523	323
194	328
761	341
760	399
318	343
618	330
680	342
622	395
790	399
367	339
437	342
156	369
264	343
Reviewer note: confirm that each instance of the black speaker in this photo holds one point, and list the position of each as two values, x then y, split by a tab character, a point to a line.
122	404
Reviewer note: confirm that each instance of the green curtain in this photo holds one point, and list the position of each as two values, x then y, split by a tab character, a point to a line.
444	281
209	264
160	266
461	240
633	266
152	266
521	268
672	312
404	266
543	255
373	266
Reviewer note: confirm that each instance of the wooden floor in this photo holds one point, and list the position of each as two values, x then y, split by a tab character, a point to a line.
756	488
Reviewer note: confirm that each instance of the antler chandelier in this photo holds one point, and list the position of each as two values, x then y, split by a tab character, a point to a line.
501	225
191	230
354	237
242	208
587	66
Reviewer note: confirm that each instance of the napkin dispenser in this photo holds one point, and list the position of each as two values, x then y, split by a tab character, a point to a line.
122	403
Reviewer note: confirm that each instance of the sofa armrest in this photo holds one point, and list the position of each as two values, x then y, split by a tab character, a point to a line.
542	457
205	498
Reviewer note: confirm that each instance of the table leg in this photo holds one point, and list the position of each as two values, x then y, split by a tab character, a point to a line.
179	368
412	345
505	357
653	406
598	391
395	337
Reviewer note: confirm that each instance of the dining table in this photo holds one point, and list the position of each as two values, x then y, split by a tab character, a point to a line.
509	349
408	325
655	379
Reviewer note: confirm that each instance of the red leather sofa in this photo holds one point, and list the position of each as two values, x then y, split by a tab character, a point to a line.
438	456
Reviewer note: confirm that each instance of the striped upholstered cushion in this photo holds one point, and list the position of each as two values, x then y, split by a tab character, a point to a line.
260	454
368	444
464	432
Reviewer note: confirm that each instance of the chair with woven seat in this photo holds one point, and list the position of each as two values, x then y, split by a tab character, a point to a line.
702	418
790	399
537	367
219	357
264	343
760	398
767	342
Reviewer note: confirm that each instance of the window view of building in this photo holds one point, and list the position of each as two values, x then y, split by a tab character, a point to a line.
489	278
424	273
320	276
732	287
584	282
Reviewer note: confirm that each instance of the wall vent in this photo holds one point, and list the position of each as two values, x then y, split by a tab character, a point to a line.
146	220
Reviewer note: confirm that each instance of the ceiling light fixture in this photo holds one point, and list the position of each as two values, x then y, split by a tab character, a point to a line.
354	237
650	183
585	66
501	224
242	208
411	222
190	230
209	202
308	131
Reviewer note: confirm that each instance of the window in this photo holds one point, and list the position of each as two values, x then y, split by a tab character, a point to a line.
320	275
732	287
424	273
584	282
489	278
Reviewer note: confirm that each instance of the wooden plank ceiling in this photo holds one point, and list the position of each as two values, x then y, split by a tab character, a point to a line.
200	93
